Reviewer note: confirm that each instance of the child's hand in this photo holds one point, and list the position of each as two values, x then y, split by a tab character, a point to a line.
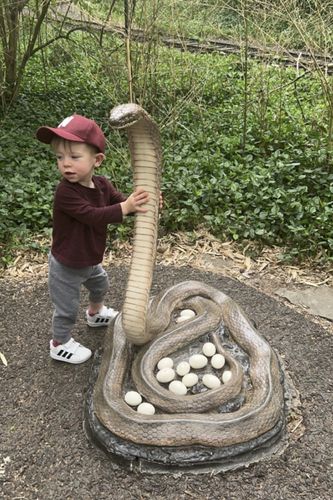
134	202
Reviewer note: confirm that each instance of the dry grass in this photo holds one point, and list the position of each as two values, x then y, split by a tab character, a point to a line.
200	250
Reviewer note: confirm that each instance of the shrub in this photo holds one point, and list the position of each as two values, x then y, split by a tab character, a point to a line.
276	188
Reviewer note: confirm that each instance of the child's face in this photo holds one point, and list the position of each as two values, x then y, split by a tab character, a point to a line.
76	161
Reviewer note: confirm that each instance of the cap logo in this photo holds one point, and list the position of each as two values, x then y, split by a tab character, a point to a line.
65	122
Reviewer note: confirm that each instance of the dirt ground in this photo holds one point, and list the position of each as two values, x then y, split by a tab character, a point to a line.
45	454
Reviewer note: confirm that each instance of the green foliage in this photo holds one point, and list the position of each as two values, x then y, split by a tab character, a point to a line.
275	189
268	23
278	189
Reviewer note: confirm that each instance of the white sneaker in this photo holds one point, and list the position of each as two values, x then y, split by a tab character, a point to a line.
102	318
71	352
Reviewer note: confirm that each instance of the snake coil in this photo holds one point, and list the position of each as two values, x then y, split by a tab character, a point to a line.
146	331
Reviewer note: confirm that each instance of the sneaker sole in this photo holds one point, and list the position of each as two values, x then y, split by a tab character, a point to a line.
69	361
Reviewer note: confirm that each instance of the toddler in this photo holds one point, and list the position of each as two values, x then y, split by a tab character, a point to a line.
84	204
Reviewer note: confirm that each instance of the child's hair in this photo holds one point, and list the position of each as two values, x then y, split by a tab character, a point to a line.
59	141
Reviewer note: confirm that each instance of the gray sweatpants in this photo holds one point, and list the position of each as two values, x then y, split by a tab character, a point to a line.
65	286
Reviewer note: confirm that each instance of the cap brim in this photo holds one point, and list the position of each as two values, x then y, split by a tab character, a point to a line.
47	134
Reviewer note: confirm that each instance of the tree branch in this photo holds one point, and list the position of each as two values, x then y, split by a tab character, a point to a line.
106	21
64	36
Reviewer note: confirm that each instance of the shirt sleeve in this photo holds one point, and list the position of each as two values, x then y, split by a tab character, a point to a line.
71	201
114	195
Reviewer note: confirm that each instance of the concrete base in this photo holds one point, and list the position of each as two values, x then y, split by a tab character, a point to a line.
191	459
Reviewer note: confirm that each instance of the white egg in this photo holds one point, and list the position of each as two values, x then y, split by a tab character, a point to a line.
183	368
226	376
178	387
211	381
165	363
146	409
218	361
184	315
133	398
165	375
209	349
187	313
190	379
198	361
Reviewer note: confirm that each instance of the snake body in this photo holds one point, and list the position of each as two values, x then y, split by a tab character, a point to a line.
146	155
146	331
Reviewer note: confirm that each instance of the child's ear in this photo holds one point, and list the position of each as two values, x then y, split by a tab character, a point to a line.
99	159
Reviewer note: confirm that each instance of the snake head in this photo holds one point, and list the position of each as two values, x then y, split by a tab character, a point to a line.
125	115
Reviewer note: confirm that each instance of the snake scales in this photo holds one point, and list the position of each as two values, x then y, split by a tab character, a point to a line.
146	331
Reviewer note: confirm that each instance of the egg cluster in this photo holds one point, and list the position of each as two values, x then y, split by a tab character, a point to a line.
167	373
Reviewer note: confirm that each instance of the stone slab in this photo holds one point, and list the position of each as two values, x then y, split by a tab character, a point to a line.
319	300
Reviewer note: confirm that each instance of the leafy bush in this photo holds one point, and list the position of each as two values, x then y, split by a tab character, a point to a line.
275	187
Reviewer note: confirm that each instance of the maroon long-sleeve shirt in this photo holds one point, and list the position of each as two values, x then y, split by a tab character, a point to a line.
80	219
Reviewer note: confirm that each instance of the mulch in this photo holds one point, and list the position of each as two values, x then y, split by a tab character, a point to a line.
45	453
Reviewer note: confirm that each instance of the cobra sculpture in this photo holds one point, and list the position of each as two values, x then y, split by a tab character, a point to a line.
238	415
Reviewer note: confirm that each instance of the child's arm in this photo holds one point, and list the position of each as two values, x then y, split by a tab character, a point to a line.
69	201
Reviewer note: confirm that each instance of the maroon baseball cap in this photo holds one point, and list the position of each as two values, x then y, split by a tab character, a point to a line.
74	128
